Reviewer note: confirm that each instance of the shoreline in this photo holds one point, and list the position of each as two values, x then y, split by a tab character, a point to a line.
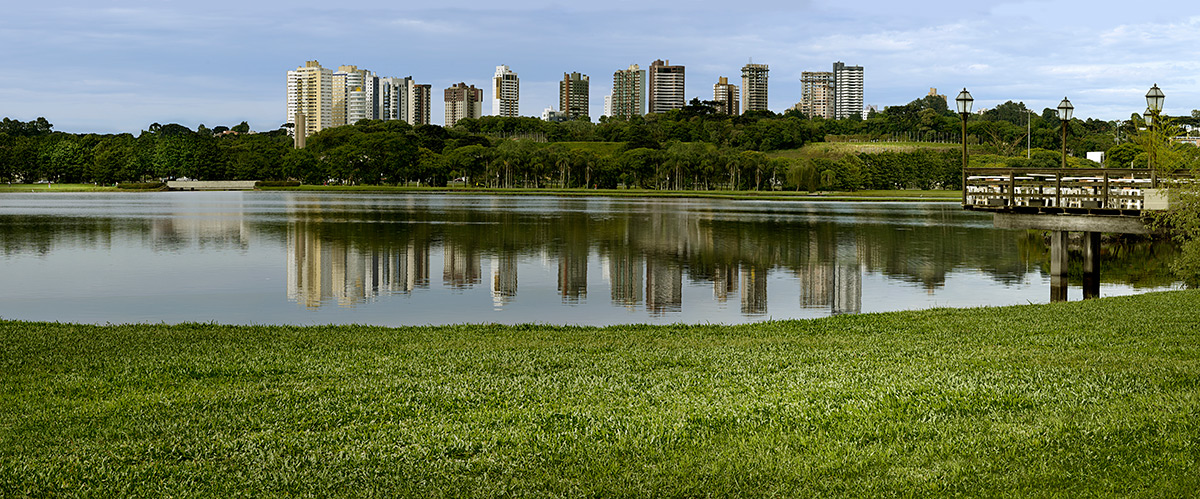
881	196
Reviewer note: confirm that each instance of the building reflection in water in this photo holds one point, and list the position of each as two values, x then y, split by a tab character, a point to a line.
504	279
643	262
625	271
460	267
320	270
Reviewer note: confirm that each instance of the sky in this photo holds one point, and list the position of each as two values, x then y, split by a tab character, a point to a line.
118	65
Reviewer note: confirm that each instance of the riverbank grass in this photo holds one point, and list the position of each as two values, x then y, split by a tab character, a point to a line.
48	187
1100	397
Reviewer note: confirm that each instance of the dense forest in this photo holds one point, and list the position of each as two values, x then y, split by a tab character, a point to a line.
690	148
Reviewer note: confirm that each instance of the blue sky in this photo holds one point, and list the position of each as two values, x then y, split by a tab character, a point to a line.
118	65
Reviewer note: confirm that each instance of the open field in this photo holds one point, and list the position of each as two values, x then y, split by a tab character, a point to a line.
1100	397
835	150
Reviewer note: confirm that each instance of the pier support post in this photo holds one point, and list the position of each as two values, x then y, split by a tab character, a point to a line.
1058	265
1091	265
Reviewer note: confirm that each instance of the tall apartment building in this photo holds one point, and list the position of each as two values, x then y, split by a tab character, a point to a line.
505	100
816	94
573	95
353	93
310	95
665	86
463	102
725	95
629	92
848	90
394	98
754	87
419	99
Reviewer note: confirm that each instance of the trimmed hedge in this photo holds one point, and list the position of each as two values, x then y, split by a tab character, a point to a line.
276	183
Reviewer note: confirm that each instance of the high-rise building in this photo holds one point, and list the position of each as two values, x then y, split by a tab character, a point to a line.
393	98
816	94
754	87
666	86
310	95
350	95
463	102
847	89
607	106
505	100
573	95
725	95
629	92
419	98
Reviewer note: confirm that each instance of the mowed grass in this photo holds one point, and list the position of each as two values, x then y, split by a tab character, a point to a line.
7	187
1072	399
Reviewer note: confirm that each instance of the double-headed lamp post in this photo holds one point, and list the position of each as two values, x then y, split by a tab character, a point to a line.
964	102
1064	114
1154	105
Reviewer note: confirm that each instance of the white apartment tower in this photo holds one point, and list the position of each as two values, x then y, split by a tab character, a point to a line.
666	86
505	100
754	87
350	95
725	95
848	90
310	94
629	92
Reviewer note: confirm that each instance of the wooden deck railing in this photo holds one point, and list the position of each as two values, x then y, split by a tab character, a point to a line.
1057	190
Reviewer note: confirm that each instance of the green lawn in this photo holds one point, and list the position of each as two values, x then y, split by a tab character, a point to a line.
835	150
1071	399
6	187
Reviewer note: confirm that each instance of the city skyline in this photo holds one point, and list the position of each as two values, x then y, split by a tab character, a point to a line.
120	66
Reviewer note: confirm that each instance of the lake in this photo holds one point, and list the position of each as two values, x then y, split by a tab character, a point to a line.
413	259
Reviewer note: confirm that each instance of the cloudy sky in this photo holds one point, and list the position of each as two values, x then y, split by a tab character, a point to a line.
119	65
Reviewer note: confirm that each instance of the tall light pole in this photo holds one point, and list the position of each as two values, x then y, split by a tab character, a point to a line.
1154	105
964	102
1028	131
1064	114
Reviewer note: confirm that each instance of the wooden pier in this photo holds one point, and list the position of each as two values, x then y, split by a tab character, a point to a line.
1091	201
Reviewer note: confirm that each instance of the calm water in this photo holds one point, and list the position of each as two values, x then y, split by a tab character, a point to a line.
403	259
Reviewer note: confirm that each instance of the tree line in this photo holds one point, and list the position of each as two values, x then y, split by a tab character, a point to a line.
689	148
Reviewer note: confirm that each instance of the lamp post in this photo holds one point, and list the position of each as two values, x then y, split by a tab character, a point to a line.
1064	114
964	102
1154	105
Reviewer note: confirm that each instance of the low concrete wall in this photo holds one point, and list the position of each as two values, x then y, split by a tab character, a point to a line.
211	185
1071	223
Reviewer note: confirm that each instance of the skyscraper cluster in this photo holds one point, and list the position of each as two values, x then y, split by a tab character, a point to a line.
832	94
662	89
320	98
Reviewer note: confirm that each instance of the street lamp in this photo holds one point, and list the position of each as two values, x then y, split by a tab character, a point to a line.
1154	99
1154	105
1064	114
964	102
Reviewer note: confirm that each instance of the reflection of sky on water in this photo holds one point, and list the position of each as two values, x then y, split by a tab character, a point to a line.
420	259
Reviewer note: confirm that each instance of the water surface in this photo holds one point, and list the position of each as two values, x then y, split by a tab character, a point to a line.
405	259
